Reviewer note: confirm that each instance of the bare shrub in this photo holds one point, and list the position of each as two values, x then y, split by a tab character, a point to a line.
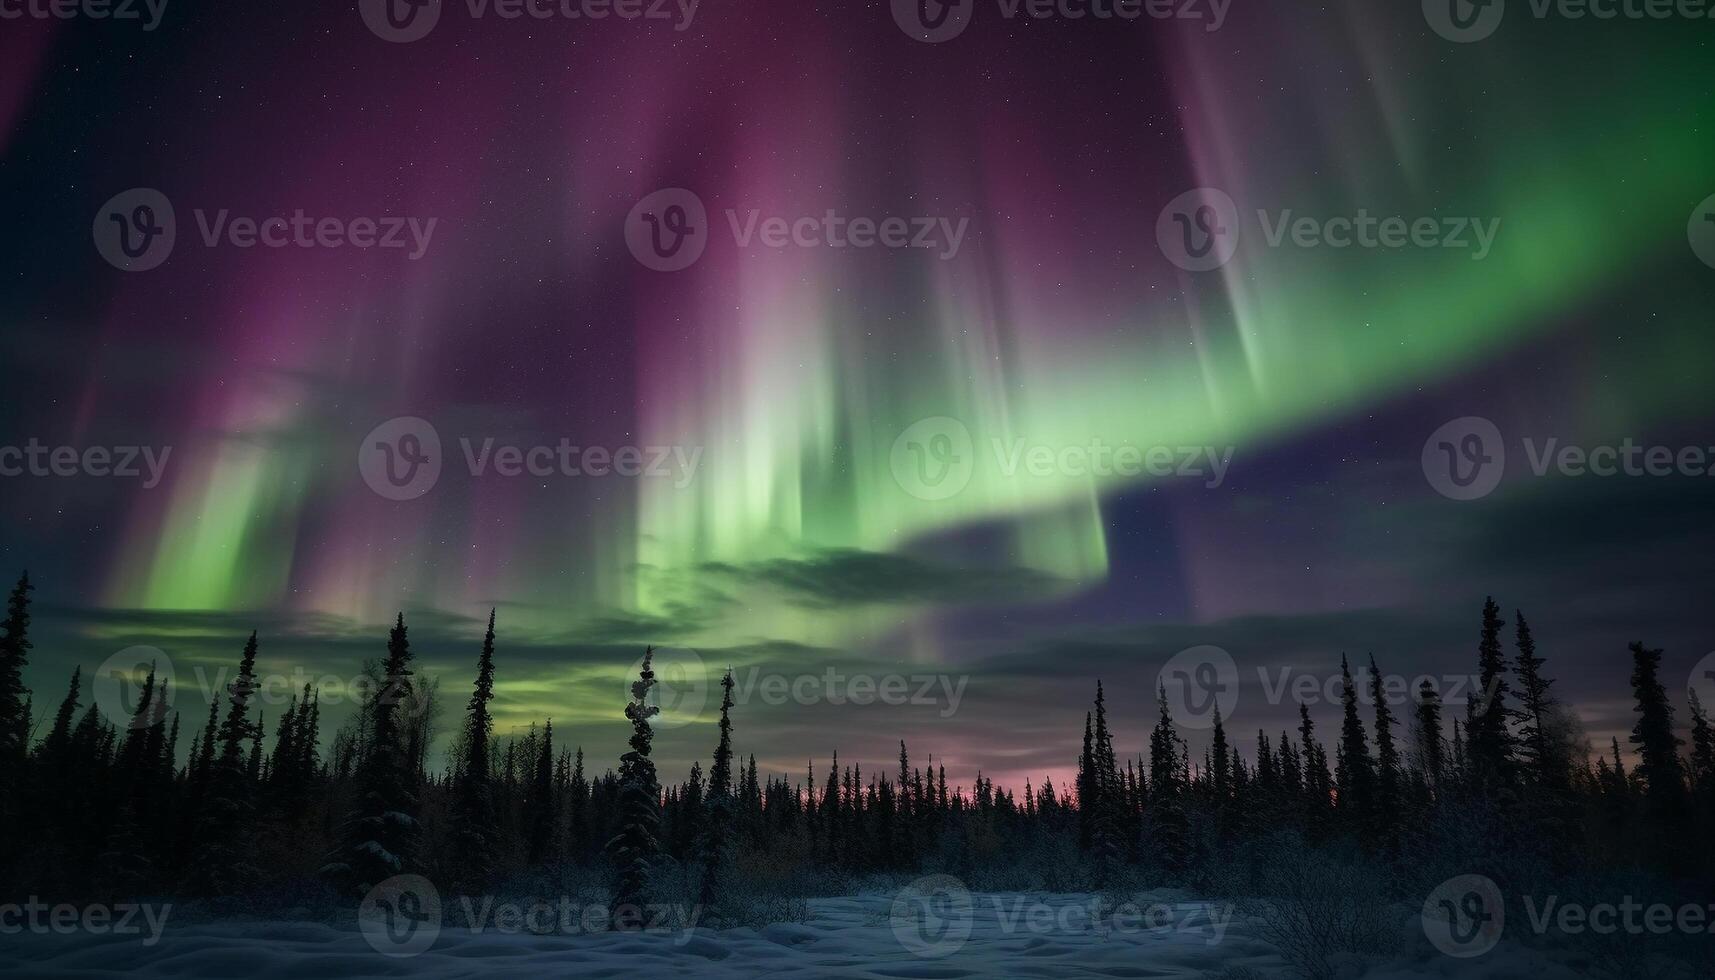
1314	906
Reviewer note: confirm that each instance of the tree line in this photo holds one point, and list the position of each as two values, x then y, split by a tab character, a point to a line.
100	807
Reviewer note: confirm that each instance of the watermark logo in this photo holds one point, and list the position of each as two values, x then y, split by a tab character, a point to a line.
1464	21
933	21
685	689
1464	916
1701	231
121	919
1198	682
38	459
400	459
400	916
565	916
400	21
933	459
933	916
118	683
1465	458
1702	682
403	21
1630	915
135	230
668	230
1281	684
681	688
149	12
1199	230
834	686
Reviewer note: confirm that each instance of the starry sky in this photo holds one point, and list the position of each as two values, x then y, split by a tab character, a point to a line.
798	545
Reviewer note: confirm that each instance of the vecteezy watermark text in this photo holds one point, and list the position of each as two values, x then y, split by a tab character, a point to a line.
1466	916
1202	683
36	459
1199	230
402	916
125	678
566	917
64	919
137	229
934	916
1465	459
149	12
934	21
936	458
1465	21
403	21
686	687
400	459
669	229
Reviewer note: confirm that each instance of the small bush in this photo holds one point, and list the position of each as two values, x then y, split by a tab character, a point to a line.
1315	906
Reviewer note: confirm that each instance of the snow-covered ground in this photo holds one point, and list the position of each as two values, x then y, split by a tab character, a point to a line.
1016	934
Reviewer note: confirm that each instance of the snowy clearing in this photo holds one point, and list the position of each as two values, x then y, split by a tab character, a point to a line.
1014	934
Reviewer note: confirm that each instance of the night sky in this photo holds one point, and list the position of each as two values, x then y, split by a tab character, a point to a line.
800	542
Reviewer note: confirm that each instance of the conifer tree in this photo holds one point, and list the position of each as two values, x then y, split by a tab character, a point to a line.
578	803
1167	824
1389	775
543	818
1430	754
202	751
476	830
1086	786
305	760
1106	848
1355	771
831	813
380	837
54	748
905	852
1318	789
1658	754
1545	761
253	770
281	761
170	754
719	819
1291	770
14	718
1457	767
223	866
636	847
124	868
1702	746
1267	768
690	814
1702	769
1220	765
1488	741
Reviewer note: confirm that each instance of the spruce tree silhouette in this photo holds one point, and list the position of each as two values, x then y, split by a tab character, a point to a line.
636	847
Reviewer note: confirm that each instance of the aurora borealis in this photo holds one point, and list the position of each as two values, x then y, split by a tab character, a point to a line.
794	371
